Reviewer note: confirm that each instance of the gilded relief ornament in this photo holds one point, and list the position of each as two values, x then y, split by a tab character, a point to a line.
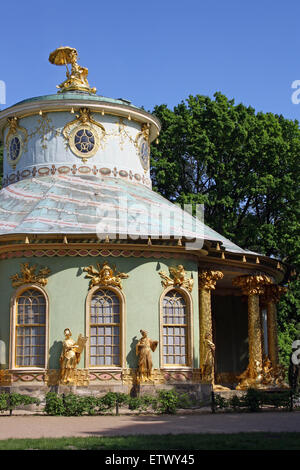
104	276
44	130
15	141
70	357
28	276
84	134
177	278
77	76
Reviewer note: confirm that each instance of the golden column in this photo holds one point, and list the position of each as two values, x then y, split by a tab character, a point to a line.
207	282
270	297
253	286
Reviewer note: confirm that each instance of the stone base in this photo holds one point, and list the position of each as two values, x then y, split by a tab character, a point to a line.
196	391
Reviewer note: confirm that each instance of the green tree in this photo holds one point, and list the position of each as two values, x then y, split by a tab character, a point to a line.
244	167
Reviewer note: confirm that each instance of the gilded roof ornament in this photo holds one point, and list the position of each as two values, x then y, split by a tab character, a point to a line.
104	276
77	77
177	278
29	276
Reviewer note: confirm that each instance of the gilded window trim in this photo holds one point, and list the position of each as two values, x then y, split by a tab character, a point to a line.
12	350
122	299
189	303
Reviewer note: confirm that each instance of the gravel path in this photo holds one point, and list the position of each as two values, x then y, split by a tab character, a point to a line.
36	426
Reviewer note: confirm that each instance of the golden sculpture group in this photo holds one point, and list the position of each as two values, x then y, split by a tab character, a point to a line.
177	278
105	276
29	276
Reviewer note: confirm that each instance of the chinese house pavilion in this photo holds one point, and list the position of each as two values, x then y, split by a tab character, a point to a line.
88	250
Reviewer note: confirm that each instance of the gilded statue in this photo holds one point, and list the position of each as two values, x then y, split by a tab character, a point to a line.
144	348
77	77
70	356
208	368
105	276
177	278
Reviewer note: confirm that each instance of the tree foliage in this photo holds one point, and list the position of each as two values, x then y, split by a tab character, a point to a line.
244	167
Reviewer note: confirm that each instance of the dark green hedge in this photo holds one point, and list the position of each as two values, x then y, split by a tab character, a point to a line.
254	400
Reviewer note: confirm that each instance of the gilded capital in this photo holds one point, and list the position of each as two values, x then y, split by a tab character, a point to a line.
208	279
252	284
273	293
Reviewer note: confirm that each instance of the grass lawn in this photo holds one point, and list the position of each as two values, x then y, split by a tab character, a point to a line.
241	441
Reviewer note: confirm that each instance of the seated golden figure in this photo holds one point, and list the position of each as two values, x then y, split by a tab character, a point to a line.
77	77
70	356
143	350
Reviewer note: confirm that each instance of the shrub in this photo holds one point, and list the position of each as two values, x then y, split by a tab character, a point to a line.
54	404
167	401
254	400
114	399
142	403
10	401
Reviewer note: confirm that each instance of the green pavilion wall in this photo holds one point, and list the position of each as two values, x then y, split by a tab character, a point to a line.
67	290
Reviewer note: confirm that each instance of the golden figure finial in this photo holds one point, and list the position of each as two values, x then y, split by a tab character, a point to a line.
77	77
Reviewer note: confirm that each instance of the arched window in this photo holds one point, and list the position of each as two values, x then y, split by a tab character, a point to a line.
105	325
30	329
175	329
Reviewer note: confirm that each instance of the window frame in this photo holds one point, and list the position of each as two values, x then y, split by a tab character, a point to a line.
13	329
189	330
122	304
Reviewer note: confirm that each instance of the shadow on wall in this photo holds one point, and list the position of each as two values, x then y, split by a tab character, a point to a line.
54	354
131	357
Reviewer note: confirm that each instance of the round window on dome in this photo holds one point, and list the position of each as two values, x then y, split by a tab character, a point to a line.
144	152
84	142
14	149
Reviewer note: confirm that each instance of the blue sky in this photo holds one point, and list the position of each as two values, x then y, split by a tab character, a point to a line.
157	51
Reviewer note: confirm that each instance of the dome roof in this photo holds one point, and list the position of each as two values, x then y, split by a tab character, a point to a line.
64	204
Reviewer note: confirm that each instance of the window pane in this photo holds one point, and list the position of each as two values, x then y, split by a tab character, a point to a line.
30	329
105	328
174	313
